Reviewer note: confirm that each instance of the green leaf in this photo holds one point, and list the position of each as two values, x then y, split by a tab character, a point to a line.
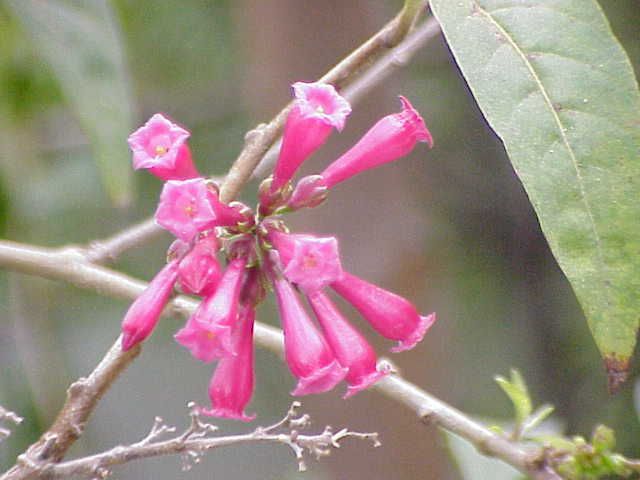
81	43
517	392
558	89
603	439
537	417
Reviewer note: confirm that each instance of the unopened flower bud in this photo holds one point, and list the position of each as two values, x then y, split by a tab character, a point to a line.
309	192
145	311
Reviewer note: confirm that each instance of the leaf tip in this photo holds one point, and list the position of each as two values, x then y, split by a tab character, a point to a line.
617	372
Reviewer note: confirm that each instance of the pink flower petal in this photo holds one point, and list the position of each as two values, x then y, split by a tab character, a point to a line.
394	136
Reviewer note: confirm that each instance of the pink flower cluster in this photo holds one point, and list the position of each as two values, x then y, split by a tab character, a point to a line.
261	253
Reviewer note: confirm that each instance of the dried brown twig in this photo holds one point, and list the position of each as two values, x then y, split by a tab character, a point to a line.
8	416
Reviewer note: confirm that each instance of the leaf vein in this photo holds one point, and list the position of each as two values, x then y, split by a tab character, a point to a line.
561	128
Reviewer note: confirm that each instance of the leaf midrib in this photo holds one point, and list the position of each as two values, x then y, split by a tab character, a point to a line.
561	128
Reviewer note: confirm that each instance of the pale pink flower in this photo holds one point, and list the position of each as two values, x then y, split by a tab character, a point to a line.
232	383
199	271
307	353
145	311
188	207
208	332
389	314
318	109
350	347
391	138
308	261
160	146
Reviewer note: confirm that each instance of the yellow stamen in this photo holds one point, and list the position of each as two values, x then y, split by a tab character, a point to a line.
190	210
310	262
160	150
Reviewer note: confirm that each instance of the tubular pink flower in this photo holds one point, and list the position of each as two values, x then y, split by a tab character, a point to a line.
232	383
317	109
208	332
160	146
144	312
351	348
389	314
188	207
309	357
308	261
199	271
391	138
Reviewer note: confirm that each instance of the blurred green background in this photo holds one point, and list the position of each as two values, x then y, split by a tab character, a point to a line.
449	228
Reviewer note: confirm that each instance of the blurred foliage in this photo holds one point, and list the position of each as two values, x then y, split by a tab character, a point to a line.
496	287
81	44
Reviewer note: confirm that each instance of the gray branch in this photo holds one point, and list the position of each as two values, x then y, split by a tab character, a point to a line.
7	416
196	440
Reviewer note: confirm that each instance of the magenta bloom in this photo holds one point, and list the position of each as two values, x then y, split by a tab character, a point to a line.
351	348
308	261
186	208
144	312
389	314
309	357
189	207
392	137
318	109
208	332
231	386
199	271
160	146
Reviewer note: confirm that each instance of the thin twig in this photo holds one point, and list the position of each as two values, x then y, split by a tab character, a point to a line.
108	249
70	267
196	440
7	416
